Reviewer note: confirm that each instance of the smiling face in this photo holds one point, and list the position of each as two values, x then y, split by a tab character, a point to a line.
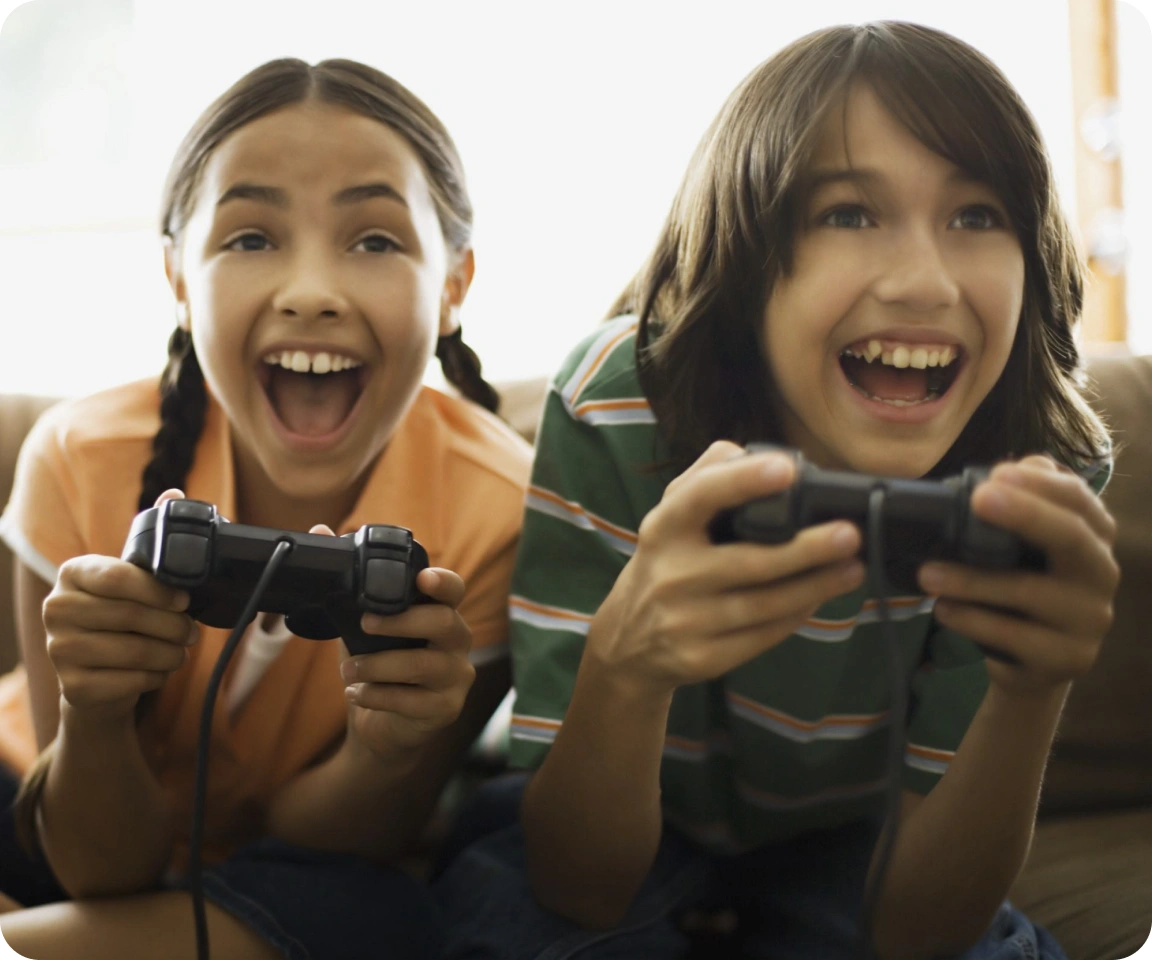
901	262
316	281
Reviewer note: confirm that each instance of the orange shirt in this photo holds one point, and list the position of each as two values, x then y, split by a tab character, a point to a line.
452	473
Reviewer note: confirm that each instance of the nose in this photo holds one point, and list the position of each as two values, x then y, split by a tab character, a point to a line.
310	290
915	273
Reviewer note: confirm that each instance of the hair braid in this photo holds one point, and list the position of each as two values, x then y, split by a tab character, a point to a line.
461	368
183	401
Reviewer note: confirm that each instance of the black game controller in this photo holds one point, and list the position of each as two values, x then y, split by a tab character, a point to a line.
923	520
322	588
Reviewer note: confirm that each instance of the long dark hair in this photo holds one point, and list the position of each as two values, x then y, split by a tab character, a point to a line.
731	234
278	84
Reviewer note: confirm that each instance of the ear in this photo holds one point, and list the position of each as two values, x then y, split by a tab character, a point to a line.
175	275
456	285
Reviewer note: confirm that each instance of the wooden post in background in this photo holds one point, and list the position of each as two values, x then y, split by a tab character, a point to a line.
1099	199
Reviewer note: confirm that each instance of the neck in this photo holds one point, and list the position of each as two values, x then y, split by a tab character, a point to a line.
261	503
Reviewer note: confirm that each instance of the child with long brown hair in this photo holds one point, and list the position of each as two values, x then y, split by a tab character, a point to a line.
866	262
317	235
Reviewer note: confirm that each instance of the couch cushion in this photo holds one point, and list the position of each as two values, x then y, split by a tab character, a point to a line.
17	414
1089	881
1103	751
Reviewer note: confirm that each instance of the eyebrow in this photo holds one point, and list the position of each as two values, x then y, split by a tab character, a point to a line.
276	197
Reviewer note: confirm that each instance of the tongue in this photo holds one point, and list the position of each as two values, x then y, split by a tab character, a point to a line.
891	383
313	405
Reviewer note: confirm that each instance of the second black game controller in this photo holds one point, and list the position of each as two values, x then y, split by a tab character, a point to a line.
922	520
322	588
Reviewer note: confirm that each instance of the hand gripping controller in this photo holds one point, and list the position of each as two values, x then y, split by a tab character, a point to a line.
322	588
923	520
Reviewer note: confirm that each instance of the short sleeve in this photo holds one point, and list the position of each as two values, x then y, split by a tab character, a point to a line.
578	534
485	606
40	524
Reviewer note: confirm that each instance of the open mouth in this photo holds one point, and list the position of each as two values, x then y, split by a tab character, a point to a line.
313	394
901	375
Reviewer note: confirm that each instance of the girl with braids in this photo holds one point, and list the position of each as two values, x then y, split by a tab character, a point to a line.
317	242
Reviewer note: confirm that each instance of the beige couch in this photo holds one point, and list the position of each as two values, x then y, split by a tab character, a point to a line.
1089	877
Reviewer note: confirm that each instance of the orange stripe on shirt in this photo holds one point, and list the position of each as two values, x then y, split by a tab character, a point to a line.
929	753
839	720
559	612
576	510
599	405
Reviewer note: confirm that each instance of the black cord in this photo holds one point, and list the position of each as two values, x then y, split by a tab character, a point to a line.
195	880
898	713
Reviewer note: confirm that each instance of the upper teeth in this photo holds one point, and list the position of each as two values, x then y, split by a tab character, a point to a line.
300	361
927	355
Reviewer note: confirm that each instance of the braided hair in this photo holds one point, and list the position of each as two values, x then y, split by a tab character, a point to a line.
271	87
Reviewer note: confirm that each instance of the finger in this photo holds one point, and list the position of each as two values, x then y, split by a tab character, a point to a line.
172	493
76	610
1066	607
1060	486
323	529
115	651
119	580
1035	646
740	565
441	626
441	585
761	607
414	703
434	669
1073	547
691	502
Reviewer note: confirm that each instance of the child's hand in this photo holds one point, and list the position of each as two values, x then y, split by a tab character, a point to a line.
685	610
400	698
1051	623
114	632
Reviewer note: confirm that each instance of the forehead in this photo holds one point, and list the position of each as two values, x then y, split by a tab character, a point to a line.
315	146
860	131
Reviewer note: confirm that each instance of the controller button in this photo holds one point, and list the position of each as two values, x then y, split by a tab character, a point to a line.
190	510
384	536
386	581
185	555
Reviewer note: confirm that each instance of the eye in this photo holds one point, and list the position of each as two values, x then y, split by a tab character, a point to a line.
847	218
376	243
978	217
248	243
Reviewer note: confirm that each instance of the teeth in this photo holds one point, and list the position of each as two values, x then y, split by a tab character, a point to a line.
934	358
919	358
946	356
886	357
900	357
874	350
298	361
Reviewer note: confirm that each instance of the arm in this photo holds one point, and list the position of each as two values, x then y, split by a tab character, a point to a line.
358	802
103	824
412	715
961	847
1052	624
682	611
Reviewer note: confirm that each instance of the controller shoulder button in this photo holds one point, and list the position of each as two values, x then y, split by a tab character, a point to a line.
385	581
185	555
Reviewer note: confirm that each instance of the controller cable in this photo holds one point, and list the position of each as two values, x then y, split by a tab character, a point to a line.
899	709
196	841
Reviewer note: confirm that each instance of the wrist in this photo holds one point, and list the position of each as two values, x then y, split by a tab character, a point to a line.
87	723
366	761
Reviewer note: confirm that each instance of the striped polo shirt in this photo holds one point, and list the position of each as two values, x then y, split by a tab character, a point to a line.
791	741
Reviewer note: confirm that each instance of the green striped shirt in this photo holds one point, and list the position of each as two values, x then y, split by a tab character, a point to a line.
791	741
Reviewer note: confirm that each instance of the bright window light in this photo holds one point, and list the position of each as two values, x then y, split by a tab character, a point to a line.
575	122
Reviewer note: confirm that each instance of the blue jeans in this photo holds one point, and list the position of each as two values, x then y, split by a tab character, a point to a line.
793	901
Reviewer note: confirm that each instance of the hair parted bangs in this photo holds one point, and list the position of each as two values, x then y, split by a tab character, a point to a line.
731	235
